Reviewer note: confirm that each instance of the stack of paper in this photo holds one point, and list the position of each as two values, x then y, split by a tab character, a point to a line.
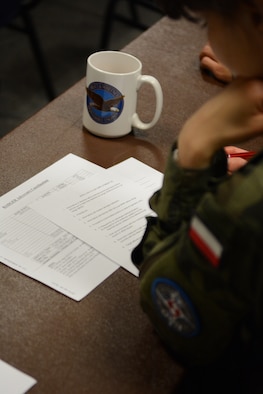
73	224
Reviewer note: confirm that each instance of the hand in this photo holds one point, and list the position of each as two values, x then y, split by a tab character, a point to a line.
208	61
235	163
233	116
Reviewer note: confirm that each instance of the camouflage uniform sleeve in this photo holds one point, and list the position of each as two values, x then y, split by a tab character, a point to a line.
195	261
176	201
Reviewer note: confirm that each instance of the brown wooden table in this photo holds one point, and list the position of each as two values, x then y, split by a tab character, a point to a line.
104	343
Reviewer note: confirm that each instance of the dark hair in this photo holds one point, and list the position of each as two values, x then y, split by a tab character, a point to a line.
187	8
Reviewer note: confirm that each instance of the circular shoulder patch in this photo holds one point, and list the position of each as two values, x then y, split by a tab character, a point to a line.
175	307
104	102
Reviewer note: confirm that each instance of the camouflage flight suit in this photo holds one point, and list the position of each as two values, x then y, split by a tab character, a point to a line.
201	261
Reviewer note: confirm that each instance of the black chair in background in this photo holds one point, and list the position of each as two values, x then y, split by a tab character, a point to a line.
15	14
133	19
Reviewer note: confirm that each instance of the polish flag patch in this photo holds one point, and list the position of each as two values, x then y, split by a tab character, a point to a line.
205	241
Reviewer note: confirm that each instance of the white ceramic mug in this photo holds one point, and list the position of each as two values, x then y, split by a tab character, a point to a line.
112	81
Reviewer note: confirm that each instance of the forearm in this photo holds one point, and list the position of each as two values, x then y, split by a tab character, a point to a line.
229	118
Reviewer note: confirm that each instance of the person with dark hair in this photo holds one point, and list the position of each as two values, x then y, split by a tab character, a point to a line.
201	257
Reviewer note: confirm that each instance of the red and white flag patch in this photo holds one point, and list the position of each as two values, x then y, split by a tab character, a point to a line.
205	241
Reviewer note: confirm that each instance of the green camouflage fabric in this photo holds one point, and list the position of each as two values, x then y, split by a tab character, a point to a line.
200	261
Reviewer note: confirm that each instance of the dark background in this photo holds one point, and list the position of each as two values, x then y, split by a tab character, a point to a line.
68	31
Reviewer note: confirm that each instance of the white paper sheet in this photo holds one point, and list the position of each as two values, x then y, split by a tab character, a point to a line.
144	175
13	381
107	210
35	246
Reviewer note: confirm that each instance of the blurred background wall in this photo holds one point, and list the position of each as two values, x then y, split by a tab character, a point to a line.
68	32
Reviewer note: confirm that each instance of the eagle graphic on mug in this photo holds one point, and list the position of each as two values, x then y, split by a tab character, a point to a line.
107	105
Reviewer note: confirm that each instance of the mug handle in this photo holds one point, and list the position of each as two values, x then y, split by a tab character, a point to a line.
136	121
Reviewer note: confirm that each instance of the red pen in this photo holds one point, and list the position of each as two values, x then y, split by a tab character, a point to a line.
244	155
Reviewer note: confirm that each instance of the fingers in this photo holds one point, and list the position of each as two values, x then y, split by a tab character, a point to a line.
218	70
208	61
207	51
230	149
235	164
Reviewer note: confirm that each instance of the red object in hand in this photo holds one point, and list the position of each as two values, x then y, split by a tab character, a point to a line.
244	155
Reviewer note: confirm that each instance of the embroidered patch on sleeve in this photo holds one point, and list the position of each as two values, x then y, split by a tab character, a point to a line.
175	307
205	241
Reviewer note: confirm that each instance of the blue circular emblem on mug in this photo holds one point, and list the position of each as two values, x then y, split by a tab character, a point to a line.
104	102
